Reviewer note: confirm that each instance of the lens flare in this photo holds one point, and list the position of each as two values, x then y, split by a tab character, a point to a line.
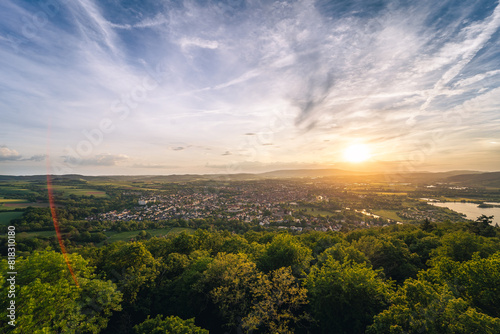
54	216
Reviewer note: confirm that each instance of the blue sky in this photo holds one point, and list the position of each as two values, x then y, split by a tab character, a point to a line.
174	87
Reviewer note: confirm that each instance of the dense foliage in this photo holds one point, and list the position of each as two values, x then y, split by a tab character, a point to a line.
432	278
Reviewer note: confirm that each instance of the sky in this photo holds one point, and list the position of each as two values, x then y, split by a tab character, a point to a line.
176	87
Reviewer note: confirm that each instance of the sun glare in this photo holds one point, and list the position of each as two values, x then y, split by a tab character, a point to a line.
357	153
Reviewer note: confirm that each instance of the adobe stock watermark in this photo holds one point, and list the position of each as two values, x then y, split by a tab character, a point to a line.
120	109
11	275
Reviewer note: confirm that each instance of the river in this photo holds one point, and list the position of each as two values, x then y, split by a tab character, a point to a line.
470	210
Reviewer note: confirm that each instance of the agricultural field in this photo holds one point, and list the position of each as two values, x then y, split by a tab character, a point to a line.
15	190
389	214
458	199
5	207
9	204
24	205
12	200
132	186
72	190
36	234
6	217
315	211
391	193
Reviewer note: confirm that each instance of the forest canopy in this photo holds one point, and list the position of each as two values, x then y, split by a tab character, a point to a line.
439	278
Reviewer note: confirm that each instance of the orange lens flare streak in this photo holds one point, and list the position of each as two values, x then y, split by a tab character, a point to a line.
55	221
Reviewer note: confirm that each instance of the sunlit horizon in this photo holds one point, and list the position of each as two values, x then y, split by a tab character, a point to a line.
226	87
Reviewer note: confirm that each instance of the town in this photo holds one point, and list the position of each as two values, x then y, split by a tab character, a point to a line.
295	205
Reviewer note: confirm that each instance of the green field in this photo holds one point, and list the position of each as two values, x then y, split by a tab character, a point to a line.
391	193
21	205
114	184
390	214
37	234
458	199
17	189
8	191
12	200
9	204
315	212
6	217
72	190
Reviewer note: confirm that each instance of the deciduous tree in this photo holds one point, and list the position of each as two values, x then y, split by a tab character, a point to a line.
344	297
169	325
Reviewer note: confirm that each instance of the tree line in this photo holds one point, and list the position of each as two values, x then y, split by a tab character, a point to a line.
428	278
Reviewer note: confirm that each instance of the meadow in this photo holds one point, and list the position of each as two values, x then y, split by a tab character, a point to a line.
6	217
315	211
389	214
72	190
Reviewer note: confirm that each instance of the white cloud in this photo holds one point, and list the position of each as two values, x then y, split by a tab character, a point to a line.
186	42
224	74
97	160
476	78
158	20
7	154
461	53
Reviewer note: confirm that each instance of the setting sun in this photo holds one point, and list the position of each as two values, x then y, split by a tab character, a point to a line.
357	153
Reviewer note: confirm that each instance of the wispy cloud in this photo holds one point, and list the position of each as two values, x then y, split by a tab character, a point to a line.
97	160
37	157
158	20
93	26
197	42
301	72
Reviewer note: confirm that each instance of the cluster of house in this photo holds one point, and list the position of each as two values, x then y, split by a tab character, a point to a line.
268	204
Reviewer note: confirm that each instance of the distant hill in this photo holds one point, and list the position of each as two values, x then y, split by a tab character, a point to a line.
458	177
427	177
491	179
196	177
364	176
31	178
295	173
290	173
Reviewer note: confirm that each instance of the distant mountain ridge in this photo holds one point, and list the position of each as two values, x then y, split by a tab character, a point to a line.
461	177
309	173
491	179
